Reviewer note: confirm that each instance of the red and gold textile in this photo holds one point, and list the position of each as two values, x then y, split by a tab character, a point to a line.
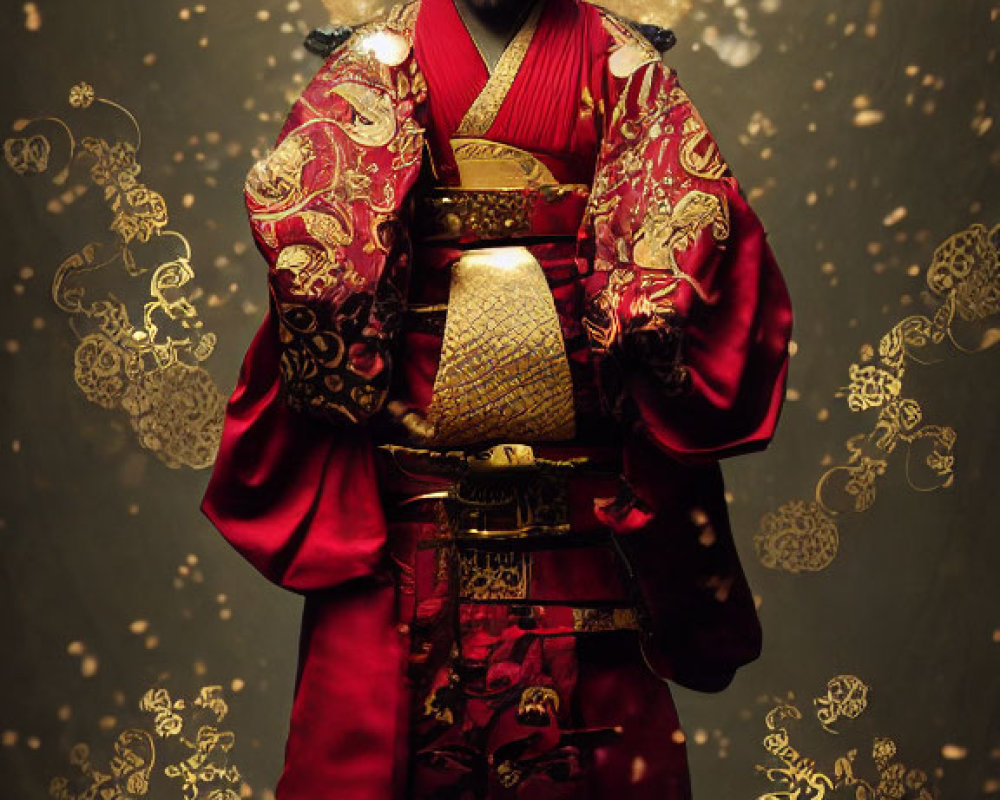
489	618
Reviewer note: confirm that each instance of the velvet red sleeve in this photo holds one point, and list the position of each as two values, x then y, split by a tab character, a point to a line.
294	486
688	313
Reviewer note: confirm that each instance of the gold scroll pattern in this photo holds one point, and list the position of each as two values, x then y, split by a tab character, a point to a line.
963	283
798	776
149	368
183	742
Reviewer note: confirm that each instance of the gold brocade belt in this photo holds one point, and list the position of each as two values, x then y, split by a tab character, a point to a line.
470	215
501	515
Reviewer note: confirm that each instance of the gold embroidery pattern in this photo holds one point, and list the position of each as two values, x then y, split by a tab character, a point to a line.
484	108
483	164
482	214
964	280
537	705
597	620
503	372
491	575
324	206
799	776
194	752
653	127
150	369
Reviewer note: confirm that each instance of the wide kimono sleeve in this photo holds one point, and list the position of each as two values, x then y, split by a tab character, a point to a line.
294	487
687	311
689	320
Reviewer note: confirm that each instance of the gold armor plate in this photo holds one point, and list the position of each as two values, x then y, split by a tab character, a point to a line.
503	373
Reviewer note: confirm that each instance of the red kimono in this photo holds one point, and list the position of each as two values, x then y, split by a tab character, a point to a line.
516	319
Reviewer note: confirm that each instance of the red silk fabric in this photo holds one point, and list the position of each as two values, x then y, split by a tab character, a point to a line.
301	498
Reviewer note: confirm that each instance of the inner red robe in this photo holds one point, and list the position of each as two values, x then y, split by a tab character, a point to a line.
675	322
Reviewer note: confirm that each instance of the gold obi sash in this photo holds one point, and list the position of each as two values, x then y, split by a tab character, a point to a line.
503	372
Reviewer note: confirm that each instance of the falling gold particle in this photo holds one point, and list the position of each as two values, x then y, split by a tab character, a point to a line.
225	614
793	395
133	510
823	414
895	216
913	270
12	346
15	446
237	684
88	666
38	323
700	736
868	117
638	769
246	790
812	198
199	668
75	648
139	626
954	752
107	722
819	85
64	713
152	642
32	17
184	14
678	737
203	41
149	59
9	738
188	200
263	15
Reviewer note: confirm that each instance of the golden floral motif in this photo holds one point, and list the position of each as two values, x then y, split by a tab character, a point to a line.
964	276
871	387
81	95
800	776
798	537
149	369
182	735
27	156
846	697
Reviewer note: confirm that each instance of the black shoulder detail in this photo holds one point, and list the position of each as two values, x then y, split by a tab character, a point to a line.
323	41
661	38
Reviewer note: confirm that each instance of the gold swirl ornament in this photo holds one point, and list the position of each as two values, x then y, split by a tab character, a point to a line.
374	119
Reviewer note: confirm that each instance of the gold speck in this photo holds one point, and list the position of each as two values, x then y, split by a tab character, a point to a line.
954	752
32	17
895	216
88	666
